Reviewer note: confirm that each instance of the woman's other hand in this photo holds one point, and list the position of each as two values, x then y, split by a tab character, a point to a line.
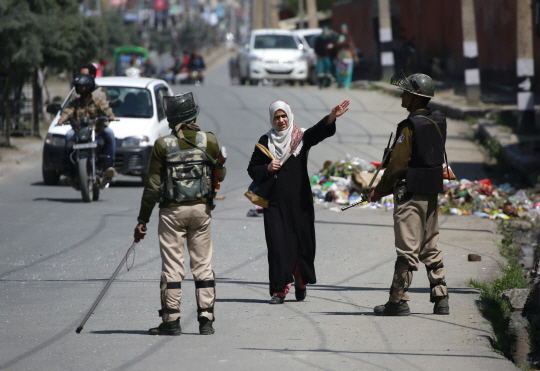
275	165
337	111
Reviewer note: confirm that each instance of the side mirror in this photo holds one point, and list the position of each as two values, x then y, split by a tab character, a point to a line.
115	103
54	108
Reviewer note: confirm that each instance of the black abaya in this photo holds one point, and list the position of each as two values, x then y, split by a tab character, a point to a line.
289	220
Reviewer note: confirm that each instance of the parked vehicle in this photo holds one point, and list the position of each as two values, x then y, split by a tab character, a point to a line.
308	37
274	55
140	121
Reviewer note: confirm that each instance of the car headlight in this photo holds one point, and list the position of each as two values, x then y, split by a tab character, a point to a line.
136	142
55	140
255	58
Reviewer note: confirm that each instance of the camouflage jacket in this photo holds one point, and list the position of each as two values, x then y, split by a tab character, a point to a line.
157	172
95	108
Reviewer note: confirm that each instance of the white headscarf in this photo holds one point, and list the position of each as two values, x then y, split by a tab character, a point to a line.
284	143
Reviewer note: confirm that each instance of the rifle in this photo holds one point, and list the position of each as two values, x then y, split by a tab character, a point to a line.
364	196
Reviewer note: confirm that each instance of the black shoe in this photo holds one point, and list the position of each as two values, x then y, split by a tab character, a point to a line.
205	326
276	299
441	305
299	293
171	328
391	309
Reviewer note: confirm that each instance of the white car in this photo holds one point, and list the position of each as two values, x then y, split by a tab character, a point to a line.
274	55
141	120
308	37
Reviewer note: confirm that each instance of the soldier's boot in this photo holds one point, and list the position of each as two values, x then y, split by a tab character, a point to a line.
441	305
205	291
170	328
397	304
393	309
439	291
171	294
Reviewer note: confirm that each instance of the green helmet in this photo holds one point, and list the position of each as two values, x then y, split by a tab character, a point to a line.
417	84
180	108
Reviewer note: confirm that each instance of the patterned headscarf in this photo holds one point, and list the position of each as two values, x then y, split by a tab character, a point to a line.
284	143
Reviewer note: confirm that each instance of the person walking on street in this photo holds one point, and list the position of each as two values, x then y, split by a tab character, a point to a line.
323	48
351	49
415	175
180	177
289	220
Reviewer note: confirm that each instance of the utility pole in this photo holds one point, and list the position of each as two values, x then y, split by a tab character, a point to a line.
300	14
470	52
257	17
274	14
525	68
313	21
385	39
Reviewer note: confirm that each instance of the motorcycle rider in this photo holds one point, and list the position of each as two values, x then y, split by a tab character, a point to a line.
196	66
90	69
86	105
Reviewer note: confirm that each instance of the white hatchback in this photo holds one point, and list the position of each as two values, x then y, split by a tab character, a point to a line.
141	120
274	55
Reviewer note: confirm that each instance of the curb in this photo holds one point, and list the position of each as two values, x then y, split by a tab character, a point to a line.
513	148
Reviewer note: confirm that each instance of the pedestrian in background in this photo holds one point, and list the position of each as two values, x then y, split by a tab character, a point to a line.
289	219
415	175
180	177
343	63
324	48
350	46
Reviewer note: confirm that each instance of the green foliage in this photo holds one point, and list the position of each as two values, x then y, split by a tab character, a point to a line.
117	33
493	306
493	147
195	34
292	5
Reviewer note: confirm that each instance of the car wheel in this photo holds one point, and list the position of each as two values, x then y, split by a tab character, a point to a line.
50	177
253	82
243	81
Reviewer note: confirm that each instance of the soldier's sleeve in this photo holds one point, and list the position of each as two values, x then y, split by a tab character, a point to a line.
152	187
399	159
212	146
69	111
103	106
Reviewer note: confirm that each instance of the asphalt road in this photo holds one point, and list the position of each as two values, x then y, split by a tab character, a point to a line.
57	254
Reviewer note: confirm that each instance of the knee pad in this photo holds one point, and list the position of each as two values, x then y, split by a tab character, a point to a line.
207	284
164	286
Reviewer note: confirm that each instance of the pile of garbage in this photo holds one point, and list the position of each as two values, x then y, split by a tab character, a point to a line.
343	182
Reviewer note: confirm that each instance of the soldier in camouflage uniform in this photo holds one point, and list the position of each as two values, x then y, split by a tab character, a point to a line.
180	178
415	176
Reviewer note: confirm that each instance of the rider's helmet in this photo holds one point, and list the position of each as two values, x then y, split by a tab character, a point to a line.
85	80
417	84
180	108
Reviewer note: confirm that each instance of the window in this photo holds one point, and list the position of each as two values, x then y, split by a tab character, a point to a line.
134	102
275	42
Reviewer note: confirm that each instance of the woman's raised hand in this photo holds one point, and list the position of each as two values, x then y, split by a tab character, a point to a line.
275	165
337	111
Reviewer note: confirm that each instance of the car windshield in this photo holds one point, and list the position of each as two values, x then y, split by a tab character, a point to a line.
275	42
134	102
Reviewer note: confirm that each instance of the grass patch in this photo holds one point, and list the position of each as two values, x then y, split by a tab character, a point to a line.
493	307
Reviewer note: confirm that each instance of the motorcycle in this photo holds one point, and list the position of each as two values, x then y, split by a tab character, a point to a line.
85	157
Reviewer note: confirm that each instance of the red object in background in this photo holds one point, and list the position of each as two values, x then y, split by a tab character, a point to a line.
485	181
160	5
99	69
376	164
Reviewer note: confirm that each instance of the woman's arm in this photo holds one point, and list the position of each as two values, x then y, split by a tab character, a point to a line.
326	127
258	165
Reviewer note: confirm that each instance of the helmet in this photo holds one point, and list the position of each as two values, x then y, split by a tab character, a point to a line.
85	80
417	84
180	108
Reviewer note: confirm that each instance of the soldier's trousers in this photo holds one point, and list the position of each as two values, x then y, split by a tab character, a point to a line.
178	224
416	232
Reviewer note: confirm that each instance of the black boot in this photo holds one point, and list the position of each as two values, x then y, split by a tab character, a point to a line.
205	326
276	299
441	305
171	328
391	309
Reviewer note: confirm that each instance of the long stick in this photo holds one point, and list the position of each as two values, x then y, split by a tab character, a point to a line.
364	194
79	329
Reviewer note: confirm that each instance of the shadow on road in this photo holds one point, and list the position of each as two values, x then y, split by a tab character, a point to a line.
129	332
66	200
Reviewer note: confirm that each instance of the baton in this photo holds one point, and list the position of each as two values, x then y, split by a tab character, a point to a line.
79	329
364	196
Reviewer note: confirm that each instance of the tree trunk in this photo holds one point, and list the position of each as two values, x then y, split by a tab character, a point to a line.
36	93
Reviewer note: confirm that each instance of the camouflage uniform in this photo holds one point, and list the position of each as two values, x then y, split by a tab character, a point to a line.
180	178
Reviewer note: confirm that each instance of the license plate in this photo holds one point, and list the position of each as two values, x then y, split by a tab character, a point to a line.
85	145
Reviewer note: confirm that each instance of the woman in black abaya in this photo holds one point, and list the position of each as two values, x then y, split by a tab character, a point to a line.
289	219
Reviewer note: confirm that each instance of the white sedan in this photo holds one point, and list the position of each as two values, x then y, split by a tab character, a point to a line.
141	120
273	55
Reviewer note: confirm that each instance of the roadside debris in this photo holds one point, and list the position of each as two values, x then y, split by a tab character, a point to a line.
342	183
